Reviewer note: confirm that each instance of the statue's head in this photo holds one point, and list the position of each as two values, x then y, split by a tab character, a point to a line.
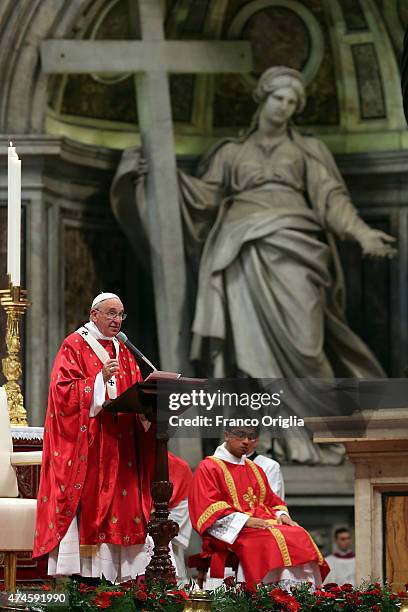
280	77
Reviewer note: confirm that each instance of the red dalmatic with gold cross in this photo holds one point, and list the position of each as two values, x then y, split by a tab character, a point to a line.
220	488
102	465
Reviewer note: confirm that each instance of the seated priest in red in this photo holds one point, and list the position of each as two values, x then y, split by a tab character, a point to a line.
94	497
234	509
181	476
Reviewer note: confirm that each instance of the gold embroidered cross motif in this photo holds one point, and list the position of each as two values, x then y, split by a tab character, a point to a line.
250	497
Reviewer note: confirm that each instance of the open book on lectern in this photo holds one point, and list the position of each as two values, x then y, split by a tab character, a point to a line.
162	375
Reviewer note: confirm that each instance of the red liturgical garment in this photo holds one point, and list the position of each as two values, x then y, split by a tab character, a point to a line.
220	488
181	476
102	465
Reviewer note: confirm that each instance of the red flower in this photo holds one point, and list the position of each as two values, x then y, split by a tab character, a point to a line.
102	600
129	584
330	585
46	587
280	596
346	587
162	600
86	588
179	593
141	595
337	590
229	581
292	604
248	588
117	594
325	594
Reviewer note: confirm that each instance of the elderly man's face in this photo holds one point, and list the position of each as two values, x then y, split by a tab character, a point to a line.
107	316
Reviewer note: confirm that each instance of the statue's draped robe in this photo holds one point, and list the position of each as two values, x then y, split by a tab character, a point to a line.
260	226
221	488
270	297
98	466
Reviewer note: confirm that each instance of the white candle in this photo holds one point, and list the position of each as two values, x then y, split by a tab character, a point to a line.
14	216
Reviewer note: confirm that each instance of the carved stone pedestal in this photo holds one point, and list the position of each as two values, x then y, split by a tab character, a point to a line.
379	452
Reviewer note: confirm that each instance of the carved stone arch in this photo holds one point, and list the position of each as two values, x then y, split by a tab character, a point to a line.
23	104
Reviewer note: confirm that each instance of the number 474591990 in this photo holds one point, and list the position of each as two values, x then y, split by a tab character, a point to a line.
27	597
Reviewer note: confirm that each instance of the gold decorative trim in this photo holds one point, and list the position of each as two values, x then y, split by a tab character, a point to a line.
320	558
259	479
281	542
284	508
212	509
250	498
229	481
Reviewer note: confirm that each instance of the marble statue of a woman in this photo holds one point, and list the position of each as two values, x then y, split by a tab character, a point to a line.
270	298
264	213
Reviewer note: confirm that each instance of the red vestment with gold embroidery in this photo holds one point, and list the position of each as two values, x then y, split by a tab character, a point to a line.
220	488
102	465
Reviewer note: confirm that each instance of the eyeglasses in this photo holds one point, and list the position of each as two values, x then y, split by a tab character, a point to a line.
241	435
111	316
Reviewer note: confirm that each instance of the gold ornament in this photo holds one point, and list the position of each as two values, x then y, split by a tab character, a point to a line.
404	605
15	303
198	601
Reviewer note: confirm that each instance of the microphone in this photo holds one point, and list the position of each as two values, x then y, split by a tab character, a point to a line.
135	351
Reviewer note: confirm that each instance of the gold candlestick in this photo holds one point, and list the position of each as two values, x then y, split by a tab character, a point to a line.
15	303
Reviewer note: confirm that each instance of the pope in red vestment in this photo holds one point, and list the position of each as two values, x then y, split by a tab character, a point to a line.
264	537
96	464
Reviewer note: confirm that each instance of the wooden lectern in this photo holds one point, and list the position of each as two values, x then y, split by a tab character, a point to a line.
149	398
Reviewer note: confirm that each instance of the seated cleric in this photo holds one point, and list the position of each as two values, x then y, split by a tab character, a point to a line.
94	497
234	509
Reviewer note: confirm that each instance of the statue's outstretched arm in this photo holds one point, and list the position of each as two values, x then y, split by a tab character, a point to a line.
329	194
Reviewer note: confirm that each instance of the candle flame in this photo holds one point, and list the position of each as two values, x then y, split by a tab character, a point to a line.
11	144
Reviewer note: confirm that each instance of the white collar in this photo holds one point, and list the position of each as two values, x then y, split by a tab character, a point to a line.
222	453
95	331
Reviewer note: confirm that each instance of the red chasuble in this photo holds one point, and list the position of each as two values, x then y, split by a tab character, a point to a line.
220	488
101	466
181	476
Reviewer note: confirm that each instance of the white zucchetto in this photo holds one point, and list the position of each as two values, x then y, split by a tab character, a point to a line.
103	296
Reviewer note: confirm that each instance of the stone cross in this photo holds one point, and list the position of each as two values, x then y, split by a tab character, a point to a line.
151	59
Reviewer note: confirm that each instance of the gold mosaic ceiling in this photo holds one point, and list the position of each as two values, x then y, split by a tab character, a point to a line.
305	34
